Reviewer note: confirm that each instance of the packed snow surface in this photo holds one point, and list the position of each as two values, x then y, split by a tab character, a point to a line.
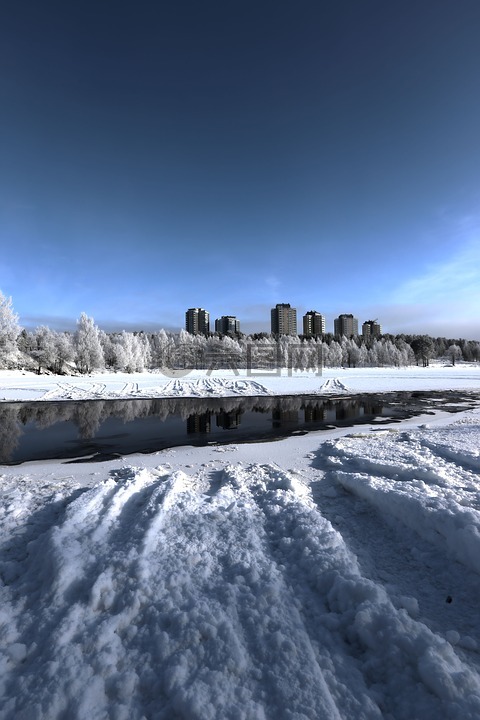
23	385
302	579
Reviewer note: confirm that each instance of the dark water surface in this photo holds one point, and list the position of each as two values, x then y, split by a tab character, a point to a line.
104	429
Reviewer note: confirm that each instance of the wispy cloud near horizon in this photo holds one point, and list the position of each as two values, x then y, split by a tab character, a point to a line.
447	284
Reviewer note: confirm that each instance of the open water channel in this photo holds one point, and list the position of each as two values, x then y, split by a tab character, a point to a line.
106	429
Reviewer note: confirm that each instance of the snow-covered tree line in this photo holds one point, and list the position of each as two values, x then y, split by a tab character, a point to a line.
90	348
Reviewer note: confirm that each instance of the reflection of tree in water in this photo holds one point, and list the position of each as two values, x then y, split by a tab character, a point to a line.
128	410
224	413
88	417
46	414
10	431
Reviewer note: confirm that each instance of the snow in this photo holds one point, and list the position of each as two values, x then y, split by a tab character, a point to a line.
23	385
329	575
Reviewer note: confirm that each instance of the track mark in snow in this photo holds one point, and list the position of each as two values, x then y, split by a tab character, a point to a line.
221	594
411	506
130	388
404	477
205	387
66	391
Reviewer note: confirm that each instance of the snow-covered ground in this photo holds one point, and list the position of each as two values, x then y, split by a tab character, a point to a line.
22	385
332	575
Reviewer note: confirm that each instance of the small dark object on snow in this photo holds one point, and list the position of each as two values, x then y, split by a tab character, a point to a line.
449	599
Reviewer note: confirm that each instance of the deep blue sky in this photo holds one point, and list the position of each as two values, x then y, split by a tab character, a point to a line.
230	155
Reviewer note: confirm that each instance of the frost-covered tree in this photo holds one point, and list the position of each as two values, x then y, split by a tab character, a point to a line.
44	351
454	353
88	350
64	352
471	351
133	352
9	331
120	359
161	348
422	346
145	350
184	354
108	348
333	356
350	352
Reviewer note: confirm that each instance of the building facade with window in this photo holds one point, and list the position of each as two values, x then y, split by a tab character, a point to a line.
371	329
284	319
313	324
227	325
346	325
197	321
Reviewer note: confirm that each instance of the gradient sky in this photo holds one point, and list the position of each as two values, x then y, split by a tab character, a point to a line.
156	156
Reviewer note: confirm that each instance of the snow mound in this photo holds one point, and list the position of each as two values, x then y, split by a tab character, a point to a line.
333	386
162	595
217	387
425	480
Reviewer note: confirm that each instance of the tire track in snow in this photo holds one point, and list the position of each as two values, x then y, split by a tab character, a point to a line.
328	567
153	598
208	387
295	608
404	529
65	391
408	480
130	388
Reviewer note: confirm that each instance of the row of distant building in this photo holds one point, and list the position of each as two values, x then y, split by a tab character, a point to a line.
283	321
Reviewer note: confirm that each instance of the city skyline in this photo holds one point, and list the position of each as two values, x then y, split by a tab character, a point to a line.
157	155
197	321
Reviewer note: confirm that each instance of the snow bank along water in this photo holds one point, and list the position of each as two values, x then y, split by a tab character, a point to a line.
17	385
339	581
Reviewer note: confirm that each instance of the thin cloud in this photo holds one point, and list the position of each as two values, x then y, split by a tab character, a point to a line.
273	284
447	285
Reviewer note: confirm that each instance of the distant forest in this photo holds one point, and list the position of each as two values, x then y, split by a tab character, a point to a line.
89	349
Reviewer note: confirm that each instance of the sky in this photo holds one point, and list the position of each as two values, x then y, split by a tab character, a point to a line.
157	156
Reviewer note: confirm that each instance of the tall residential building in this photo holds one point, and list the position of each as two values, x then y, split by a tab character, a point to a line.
346	325
197	321
313	324
284	320
371	329
227	325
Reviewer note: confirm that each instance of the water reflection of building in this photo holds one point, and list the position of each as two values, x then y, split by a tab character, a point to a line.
198	423
284	417
373	409
229	420
348	410
314	413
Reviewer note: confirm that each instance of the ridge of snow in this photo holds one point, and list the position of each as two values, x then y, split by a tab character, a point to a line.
225	589
208	387
23	386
